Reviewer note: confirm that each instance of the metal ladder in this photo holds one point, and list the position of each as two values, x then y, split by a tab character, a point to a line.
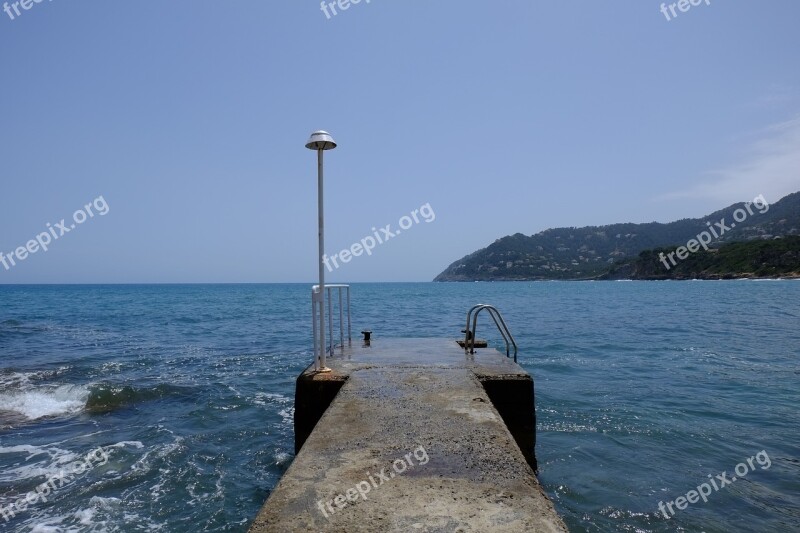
470	336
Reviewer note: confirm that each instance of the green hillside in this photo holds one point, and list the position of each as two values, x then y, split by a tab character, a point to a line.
778	257
590	252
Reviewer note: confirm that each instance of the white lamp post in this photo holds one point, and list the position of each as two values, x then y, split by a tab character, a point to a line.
321	141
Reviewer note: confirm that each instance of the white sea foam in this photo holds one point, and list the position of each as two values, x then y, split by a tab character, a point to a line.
85	516
264	398
50	526
92	519
11	379
134	443
16	379
40	462
43	401
287	415
46	461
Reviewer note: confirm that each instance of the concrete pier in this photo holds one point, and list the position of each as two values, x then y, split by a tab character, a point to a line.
412	435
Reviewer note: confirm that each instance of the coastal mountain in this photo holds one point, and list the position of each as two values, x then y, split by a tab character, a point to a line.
591	252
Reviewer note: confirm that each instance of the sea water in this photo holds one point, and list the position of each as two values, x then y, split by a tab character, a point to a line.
178	399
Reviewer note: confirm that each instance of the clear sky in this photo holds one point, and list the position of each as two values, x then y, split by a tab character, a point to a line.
188	119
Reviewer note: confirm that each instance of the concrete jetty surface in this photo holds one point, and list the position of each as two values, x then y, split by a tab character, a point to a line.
410	440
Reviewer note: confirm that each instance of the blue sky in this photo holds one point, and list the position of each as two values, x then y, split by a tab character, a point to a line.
189	119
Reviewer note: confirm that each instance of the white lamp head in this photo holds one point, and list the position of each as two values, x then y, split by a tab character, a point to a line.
321	140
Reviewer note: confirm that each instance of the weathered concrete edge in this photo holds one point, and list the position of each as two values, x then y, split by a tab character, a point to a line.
314	393
509	393
513	398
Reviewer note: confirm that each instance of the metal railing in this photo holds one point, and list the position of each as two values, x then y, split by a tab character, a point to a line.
318	317
470	334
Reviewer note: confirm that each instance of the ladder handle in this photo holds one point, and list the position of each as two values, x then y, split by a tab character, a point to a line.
496	323
497	317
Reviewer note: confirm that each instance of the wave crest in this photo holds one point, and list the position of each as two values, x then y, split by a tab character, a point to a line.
45	401
106	398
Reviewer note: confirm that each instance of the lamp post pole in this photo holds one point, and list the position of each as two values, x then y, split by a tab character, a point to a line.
321	211
321	141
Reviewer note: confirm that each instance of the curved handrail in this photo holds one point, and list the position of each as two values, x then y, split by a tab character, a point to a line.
480	307
497	317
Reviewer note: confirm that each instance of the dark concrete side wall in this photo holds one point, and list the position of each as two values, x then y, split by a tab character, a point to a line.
312	398
513	397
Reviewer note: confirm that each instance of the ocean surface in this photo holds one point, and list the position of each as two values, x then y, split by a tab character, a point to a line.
170	406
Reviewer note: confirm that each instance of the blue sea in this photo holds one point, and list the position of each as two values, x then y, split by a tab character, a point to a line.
177	400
